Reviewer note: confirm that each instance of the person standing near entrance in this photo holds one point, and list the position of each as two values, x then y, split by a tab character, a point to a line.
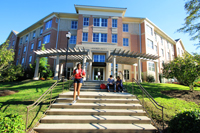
79	74
99	75
111	82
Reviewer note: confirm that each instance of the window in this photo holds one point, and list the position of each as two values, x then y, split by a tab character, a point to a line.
41	30
96	21
48	24
151	66
114	38
178	51
126	74
155	36
30	58
85	37
74	24
39	44
103	37
19	51
95	37
172	46
162	52
32	45
161	40
125	27
85	21
149	30
24	49
168	56
23	61
46	39
104	22
13	43
73	40
167	45
163	63
17	62
114	23
21	40
26	38
116	69
125	41
33	34
9	44
150	43
156	49
99	58
172	57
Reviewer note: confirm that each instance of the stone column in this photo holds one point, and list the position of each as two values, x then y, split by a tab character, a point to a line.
61	71
139	70
123	73
56	68
114	66
36	69
156	72
90	71
84	65
134	67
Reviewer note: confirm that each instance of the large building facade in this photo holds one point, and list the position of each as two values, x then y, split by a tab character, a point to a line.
99	30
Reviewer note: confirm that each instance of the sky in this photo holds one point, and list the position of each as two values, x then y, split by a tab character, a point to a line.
168	15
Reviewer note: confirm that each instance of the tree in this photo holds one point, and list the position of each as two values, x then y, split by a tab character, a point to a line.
8	71
185	69
192	23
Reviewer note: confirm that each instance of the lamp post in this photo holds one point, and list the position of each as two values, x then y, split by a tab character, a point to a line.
68	35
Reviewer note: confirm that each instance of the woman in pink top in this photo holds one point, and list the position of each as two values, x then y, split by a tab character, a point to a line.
79	74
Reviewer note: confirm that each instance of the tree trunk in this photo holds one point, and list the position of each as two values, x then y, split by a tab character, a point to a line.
191	87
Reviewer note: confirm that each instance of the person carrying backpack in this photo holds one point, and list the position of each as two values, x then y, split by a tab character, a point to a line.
79	74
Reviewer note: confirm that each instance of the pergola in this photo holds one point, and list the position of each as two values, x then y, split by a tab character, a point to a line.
74	55
132	58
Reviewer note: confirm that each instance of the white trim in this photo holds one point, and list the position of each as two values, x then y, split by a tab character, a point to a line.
50	18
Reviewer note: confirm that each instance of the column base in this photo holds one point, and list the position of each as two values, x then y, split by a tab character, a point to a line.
55	78
35	78
140	81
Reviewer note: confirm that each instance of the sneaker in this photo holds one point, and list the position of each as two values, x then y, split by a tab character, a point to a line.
122	91
77	98
119	91
108	90
114	91
73	102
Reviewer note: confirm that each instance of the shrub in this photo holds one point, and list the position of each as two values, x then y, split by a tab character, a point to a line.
150	79
197	84
185	122
11	123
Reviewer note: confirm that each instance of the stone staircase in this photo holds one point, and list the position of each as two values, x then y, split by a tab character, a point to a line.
96	111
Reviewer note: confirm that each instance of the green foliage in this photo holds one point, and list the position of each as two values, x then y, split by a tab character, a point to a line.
192	24
186	70
150	79
11	123
8	71
185	122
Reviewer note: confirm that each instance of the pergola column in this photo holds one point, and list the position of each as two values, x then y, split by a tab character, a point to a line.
61	71
134	68
156	70
114	66
56	68
36	69
123	73
84	65
90	70
139	70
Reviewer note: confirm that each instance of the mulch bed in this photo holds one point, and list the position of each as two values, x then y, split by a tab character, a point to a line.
7	92
184	95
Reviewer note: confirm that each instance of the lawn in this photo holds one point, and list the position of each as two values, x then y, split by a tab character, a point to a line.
28	92
172	105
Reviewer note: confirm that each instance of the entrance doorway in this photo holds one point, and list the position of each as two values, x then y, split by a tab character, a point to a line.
95	72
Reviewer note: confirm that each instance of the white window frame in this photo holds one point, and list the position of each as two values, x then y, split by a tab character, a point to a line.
114	38
48	24
151	66
99	37
124	42
73	39
126	74
86	21
32	46
162	52
103	37
156	48
150	44
114	23
168	55
125	27
74	24
46	38
104	22
85	37
99	58
149	29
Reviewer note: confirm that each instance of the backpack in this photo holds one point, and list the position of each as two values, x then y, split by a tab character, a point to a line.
103	86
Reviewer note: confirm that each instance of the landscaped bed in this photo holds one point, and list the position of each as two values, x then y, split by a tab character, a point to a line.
26	93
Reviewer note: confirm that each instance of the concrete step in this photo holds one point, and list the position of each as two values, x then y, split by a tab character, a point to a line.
89	87
107	95
97	106
112	112
91	90
95	119
97	100
95	128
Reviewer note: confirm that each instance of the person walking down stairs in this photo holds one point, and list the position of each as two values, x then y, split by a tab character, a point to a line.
79	74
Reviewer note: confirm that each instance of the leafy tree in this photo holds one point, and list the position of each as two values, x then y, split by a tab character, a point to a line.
192	21
8	71
185	69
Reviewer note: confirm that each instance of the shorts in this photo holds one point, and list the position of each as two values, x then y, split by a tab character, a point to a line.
78	80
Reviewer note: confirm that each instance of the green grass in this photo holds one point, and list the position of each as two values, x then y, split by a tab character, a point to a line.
28	92
172	105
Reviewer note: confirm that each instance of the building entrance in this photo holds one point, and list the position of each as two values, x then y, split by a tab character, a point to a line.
95	73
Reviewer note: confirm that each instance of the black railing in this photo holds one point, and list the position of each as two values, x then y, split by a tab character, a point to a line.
158	106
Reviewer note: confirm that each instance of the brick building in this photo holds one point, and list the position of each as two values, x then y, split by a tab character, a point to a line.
99	30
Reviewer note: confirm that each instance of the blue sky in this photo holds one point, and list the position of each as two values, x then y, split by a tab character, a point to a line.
168	15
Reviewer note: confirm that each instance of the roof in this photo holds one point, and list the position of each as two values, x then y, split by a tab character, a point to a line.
179	40
12	32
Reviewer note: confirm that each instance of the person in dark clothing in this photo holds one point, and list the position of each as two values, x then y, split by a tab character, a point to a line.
119	84
111	82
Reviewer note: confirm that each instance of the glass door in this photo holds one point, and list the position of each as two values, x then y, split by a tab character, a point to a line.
96	70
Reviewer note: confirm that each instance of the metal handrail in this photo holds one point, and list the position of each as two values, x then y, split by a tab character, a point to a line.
38	101
152	100
70	78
